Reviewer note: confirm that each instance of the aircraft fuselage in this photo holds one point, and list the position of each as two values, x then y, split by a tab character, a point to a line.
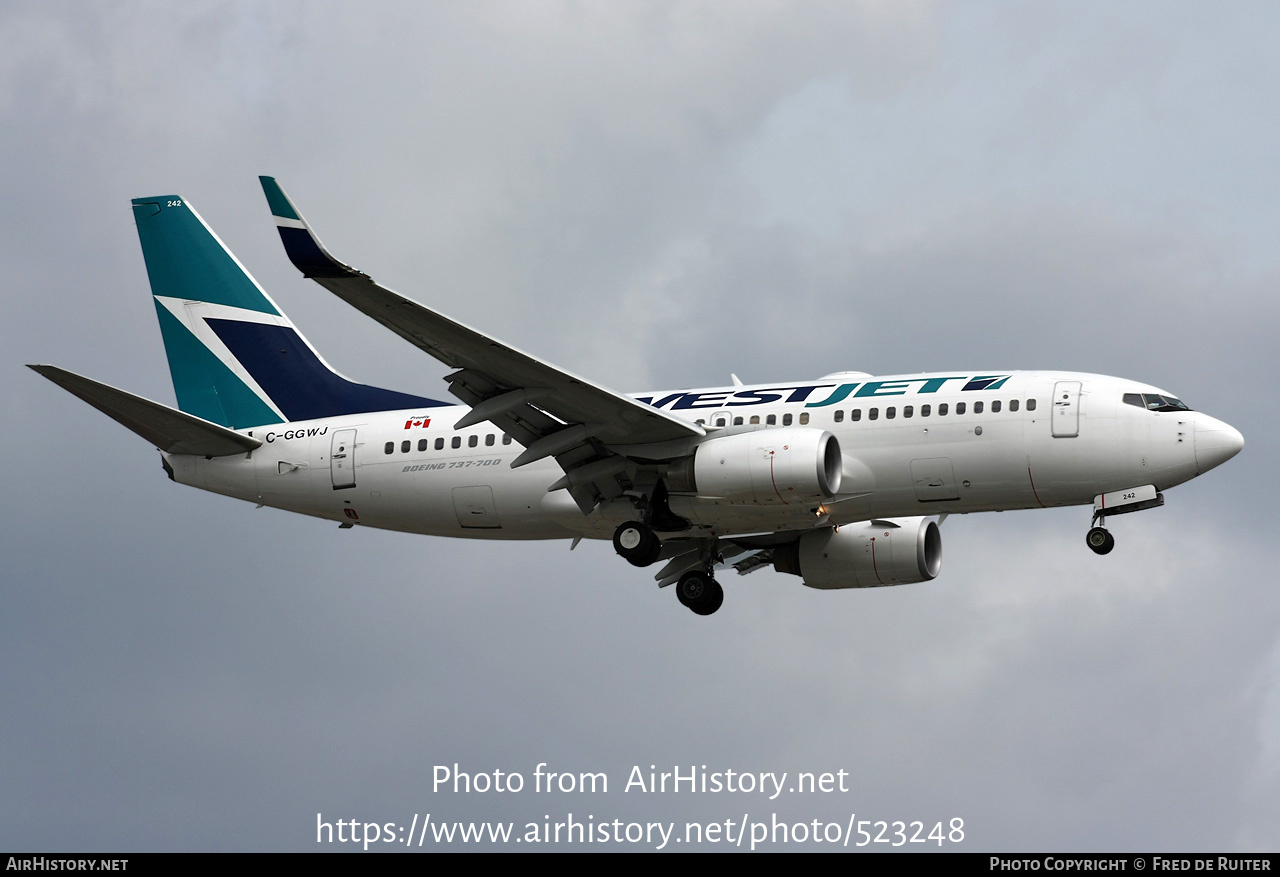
911	444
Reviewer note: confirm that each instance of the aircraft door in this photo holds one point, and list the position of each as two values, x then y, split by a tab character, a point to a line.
1066	409
719	417
342	459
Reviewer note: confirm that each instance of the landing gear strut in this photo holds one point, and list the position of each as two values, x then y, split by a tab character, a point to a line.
700	592
1118	502
636	543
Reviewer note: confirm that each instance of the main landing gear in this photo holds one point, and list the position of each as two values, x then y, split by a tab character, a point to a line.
636	543
700	592
640	546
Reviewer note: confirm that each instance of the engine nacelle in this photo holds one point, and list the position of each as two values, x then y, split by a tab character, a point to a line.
764	466
870	554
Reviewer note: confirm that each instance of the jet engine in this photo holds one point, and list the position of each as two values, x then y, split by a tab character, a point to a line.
764	466
870	554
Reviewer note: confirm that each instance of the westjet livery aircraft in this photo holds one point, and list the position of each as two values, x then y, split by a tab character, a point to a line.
842	480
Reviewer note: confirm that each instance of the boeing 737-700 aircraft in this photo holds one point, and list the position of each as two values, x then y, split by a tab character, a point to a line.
841	480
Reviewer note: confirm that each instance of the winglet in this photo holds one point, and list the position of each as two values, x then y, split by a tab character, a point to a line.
300	243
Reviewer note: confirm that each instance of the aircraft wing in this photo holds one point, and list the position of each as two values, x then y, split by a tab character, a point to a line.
550	411
169	429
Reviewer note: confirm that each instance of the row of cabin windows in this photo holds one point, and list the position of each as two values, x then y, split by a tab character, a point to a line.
770	420
874	413
456	442
926	410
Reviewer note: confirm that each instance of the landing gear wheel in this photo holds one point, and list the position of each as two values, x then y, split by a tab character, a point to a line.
715	600
1100	540
636	543
699	592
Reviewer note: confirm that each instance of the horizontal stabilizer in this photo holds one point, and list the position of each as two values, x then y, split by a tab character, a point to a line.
167	428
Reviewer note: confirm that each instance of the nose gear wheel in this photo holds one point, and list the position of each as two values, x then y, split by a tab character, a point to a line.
1100	540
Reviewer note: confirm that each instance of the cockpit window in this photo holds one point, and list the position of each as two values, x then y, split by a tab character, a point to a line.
1155	402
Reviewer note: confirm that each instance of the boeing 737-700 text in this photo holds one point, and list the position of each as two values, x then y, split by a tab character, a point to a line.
842	480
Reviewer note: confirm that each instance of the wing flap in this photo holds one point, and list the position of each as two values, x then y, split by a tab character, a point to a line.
169	429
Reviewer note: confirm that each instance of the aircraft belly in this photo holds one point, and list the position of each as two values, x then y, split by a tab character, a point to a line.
1072	470
952	467
230	476
717	517
471	501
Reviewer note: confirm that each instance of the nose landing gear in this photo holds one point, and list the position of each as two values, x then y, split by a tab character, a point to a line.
1118	502
1100	540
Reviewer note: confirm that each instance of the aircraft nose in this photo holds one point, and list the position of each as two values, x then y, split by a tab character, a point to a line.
1216	442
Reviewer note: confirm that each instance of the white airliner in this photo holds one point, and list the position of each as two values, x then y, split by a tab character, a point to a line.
841	480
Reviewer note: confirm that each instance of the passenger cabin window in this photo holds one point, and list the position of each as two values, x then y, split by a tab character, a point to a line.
422	444
737	421
786	420
457	442
506	439
404	447
755	419
995	407
839	417
907	410
804	417
771	420
959	408
390	448
890	413
855	415
1013	404
977	407
472	441
926	410
942	409
439	444
1031	404
488	440
873	414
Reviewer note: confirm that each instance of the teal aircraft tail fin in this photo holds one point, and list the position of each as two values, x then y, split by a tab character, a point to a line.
235	358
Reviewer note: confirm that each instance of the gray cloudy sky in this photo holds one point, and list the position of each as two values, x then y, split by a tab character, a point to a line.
654	195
